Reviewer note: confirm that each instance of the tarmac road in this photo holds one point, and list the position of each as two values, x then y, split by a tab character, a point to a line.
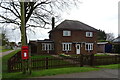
5	53
104	73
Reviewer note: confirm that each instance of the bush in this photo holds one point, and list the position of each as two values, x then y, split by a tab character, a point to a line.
64	55
117	48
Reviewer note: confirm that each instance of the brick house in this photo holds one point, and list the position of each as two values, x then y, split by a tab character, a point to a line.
70	37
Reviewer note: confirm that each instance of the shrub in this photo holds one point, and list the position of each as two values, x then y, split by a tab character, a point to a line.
64	55
117	48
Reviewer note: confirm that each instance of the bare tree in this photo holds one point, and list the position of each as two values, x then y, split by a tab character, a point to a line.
109	36
38	13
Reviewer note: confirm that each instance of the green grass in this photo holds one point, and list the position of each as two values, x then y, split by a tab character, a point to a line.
4	50
111	66
50	72
5	59
38	73
1	47
101	55
41	56
53	61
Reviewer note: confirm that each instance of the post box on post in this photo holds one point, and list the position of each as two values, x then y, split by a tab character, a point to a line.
25	51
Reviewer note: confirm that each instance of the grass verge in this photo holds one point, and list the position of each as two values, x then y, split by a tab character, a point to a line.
4	50
111	66
39	73
49	72
101	55
5	59
41	56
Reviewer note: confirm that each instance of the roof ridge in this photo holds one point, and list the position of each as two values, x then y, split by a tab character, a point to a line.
74	25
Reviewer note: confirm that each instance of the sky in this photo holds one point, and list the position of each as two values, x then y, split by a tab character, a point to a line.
100	14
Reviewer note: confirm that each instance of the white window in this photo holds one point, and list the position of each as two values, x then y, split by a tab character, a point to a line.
88	46
47	46
66	46
66	33
89	34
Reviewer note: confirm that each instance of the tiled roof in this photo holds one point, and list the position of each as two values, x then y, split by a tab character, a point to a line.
117	39
73	25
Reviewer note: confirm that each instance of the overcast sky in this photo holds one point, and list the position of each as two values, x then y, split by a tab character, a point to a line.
100	14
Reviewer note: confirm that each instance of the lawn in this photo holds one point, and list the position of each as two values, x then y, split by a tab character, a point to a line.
4	50
101	55
49	72
41	56
37	73
53	62
111	66
5	59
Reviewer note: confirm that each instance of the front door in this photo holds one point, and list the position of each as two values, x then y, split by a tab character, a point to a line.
77	48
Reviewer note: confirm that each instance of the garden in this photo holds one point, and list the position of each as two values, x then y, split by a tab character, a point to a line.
50	71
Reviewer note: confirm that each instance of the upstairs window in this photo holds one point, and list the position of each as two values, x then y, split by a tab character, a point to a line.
89	34
66	33
66	46
89	46
47	46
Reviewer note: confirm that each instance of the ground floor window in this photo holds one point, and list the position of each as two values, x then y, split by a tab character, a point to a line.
66	46
47	46
88	46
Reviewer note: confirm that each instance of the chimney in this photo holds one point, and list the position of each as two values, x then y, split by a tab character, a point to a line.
53	22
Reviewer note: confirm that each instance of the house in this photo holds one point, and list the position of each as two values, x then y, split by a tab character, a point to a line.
70	37
104	47
117	40
116	45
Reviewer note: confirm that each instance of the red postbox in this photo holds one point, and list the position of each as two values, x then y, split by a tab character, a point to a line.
25	51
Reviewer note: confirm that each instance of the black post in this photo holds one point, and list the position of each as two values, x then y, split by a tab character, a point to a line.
29	60
81	60
91	59
46	59
9	67
116	61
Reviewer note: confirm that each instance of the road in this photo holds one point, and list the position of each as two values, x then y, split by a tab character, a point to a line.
104	73
5	53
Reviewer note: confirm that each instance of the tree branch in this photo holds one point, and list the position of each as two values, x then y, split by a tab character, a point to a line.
15	9
7	20
9	10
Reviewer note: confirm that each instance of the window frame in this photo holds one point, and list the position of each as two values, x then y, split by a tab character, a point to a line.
66	46
66	33
89	34
89	46
47	46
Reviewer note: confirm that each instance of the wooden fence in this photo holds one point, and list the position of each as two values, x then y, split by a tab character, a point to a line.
47	63
13	61
104	60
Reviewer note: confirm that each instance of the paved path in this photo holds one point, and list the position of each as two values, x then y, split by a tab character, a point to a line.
5	53
104	73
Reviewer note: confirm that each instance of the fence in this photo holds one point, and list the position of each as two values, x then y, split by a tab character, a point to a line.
45	63
48	63
104	60
13	61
